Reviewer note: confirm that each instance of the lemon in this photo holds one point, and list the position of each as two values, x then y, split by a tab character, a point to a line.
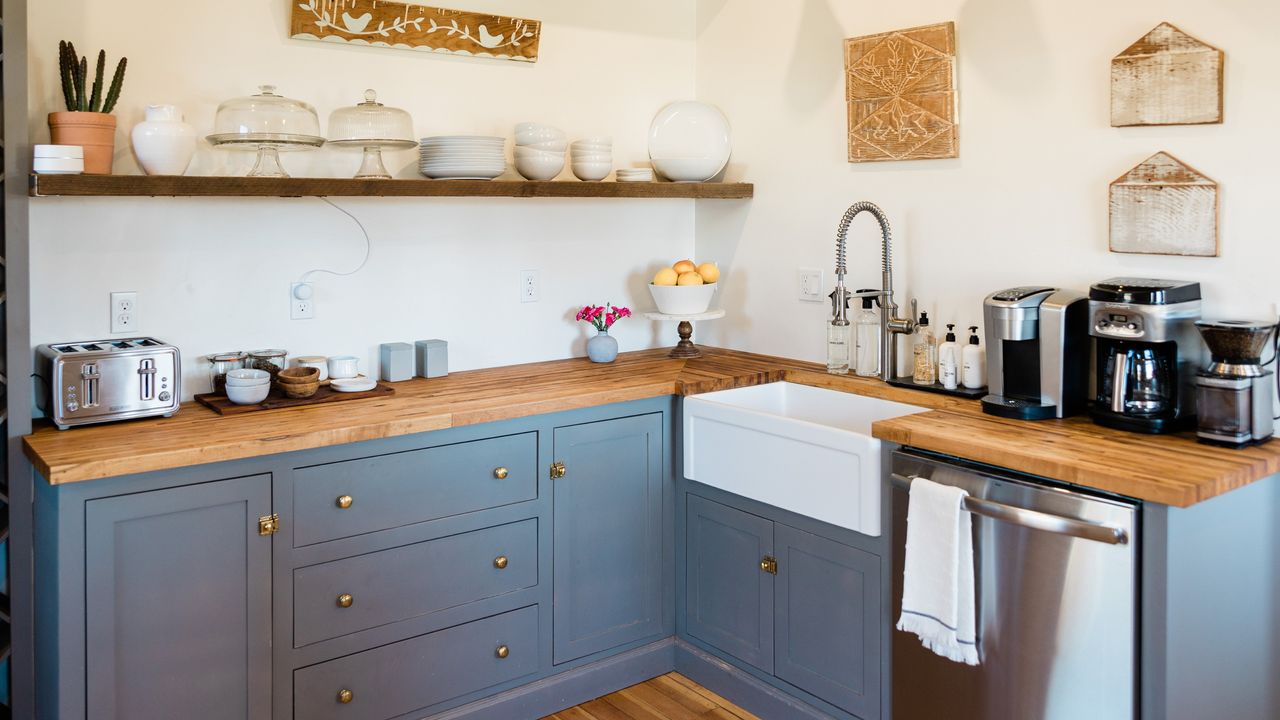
689	278
684	266
709	272
665	276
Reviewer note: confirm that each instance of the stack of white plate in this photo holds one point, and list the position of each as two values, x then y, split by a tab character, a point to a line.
539	150
635	175
462	157
592	157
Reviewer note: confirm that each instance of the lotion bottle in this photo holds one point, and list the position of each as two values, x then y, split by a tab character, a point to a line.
949	360
974	373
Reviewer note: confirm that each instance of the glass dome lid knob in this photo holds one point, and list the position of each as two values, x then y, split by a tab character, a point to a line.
267	89
371	98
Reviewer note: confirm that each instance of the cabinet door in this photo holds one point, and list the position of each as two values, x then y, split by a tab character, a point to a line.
179	603
607	535
728	597
827	621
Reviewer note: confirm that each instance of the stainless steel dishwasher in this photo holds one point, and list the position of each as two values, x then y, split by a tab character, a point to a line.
1057	602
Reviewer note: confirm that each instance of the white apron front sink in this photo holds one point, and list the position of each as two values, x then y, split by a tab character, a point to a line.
800	448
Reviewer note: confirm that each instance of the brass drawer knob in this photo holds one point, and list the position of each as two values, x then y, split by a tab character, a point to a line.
345	600
345	696
344	501
558	470
502	652
500	473
500	562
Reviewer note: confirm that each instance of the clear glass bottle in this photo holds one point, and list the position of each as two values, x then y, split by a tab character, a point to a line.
838	333
925	352
866	339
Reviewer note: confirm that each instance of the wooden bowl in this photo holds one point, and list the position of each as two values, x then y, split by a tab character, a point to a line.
300	390
298	376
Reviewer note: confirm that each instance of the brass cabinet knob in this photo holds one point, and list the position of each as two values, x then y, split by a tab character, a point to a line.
500	562
502	652
345	696
344	501
500	473
345	600
558	470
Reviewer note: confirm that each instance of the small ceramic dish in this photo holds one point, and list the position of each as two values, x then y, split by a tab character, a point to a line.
248	395
360	384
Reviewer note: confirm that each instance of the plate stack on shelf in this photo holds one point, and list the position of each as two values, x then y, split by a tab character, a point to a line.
462	157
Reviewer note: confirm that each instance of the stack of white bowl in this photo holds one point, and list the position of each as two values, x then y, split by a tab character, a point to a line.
635	174
247	386
592	157
539	150
462	157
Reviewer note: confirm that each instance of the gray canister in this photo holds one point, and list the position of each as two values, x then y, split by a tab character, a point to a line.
433	358
397	361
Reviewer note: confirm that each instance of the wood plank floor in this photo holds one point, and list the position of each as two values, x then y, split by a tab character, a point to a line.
668	697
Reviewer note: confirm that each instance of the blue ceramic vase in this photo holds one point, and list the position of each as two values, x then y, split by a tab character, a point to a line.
602	348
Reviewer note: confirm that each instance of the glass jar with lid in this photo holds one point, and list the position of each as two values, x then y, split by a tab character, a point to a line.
222	363
273	361
371	126
268	123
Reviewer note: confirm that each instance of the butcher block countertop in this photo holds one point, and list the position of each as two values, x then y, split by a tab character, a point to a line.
1172	469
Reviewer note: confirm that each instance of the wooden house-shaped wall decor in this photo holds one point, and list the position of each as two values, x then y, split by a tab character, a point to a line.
1167	78
1164	207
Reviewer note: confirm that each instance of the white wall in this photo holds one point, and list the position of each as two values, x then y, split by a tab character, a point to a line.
1026	201
214	274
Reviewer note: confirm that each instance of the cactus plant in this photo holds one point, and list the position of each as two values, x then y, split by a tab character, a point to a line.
74	71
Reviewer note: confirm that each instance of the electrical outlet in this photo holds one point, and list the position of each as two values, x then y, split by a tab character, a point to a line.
811	285
124	312
528	286
302	304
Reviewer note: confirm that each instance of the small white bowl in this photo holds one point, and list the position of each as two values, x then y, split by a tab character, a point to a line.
540	168
248	395
591	158
597	140
526	133
591	171
548	145
248	376
65	152
682	299
521	151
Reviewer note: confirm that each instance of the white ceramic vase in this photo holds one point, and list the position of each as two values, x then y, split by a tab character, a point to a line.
164	144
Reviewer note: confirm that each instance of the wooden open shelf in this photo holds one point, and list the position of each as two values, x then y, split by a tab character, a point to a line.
195	186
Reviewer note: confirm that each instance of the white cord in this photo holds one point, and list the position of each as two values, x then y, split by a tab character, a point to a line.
368	245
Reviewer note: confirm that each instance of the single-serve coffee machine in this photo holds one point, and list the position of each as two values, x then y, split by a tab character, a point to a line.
1037	352
1233	395
1147	352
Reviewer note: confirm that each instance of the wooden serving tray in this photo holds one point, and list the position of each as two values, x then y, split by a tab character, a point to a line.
276	400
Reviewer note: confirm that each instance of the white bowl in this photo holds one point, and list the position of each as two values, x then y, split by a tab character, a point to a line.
548	145
682	299
591	158
520	151
597	140
533	132
57	166
606	149
247	376
540	168
248	394
688	169
592	170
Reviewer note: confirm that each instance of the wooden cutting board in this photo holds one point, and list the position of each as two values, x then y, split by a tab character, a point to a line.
219	403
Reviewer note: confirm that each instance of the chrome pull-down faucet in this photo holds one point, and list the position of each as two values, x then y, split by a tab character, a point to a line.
890	323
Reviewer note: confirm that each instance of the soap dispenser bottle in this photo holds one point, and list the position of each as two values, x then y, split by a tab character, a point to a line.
925	351
974	372
949	360
838	332
867	338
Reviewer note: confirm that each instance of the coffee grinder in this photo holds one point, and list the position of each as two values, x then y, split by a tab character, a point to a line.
1233	395
1146	353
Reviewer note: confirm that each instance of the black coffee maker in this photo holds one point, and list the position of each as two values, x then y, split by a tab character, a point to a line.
1146	353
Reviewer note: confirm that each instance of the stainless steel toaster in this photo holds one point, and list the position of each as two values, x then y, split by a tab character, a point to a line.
106	380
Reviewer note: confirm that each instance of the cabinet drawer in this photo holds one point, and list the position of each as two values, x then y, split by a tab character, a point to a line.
420	672
413	580
388	491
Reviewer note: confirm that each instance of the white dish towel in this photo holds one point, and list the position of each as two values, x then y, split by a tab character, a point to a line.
937	586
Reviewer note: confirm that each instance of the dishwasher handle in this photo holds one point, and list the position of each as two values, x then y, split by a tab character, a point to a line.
1033	519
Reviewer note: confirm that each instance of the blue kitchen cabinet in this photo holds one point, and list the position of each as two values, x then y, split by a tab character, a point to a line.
803	610
728	597
178	617
607	534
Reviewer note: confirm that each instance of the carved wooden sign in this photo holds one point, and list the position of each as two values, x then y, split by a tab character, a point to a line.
901	91
1167	78
418	27
1164	207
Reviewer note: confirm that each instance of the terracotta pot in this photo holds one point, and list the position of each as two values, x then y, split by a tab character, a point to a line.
95	132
